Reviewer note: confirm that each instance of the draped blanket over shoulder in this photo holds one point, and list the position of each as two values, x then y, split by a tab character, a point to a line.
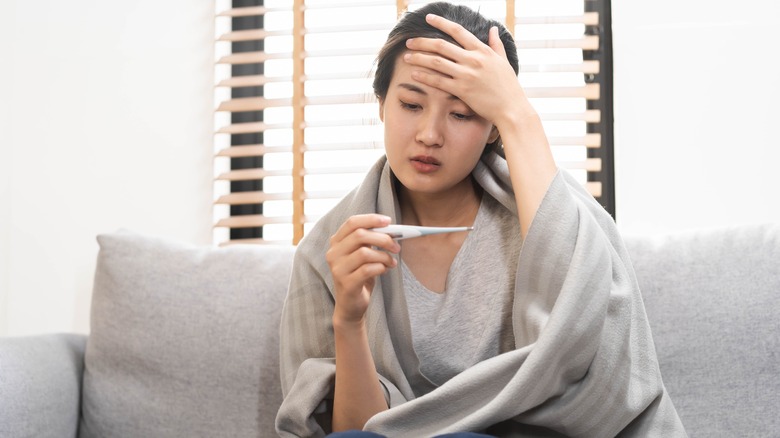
584	362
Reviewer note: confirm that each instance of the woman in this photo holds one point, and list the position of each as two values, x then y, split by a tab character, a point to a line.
461	332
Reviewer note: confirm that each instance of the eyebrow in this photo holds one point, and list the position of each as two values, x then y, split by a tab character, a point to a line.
416	89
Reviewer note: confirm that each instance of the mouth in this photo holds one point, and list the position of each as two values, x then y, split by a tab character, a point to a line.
424	159
425	163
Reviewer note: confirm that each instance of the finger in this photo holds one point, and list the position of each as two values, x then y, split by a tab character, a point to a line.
466	39
495	43
367	237
437	46
436	80
364	256
433	62
355	268
359	221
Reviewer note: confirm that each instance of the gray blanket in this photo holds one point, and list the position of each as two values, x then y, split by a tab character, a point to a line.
584	363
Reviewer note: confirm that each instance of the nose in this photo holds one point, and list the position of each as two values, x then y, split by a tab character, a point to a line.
430	130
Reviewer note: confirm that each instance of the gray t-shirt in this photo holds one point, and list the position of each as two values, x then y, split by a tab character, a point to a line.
471	320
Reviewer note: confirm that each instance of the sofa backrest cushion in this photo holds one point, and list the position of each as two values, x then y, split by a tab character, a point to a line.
713	300
183	339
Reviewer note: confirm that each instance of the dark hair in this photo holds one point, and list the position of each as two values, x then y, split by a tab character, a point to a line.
413	25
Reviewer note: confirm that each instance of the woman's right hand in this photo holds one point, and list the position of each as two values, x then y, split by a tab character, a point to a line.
356	257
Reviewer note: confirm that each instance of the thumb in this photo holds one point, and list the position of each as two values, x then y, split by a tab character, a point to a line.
369	285
494	41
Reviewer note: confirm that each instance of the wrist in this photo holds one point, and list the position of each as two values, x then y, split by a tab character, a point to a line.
522	117
348	326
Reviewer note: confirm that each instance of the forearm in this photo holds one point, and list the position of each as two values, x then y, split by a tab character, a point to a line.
358	394
530	161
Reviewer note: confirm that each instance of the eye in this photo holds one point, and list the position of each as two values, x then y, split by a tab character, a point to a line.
461	116
409	106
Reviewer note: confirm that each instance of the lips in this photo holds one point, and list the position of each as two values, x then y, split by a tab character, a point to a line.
427	160
425	164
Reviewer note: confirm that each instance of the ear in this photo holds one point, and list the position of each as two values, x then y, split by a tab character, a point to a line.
493	135
382	110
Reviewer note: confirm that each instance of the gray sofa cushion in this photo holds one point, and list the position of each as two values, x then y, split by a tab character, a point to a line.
183	339
40	385
713	300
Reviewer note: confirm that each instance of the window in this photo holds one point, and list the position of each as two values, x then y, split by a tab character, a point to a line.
297	123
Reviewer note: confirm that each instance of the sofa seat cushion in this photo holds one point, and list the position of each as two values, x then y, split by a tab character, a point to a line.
713	300
183	339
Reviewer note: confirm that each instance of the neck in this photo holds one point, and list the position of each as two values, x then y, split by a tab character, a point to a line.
457	208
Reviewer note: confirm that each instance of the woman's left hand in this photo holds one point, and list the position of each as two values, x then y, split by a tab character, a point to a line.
480	75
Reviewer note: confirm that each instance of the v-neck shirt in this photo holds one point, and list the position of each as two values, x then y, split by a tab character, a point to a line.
471	320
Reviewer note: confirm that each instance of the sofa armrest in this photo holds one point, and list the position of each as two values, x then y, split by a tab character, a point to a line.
40	385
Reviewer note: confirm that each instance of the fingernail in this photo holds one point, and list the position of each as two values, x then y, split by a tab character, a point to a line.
430	17
385	219
407	57
409	42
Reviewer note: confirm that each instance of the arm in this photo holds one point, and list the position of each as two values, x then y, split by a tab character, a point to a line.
531	165
481	76
355	260
358	394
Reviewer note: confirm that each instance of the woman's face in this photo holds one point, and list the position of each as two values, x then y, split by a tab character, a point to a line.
432	139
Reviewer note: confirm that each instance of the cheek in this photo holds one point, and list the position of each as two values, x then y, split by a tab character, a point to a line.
477	138
396	128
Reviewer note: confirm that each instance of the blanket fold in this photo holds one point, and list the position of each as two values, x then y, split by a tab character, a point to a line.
584	362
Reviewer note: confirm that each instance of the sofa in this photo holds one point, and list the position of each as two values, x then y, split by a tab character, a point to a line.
183	339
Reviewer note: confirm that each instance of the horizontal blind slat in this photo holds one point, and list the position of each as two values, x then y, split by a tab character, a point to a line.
588	91
590	116
252	151
588	18
251	127
250	11
253	241
594	188
349	4
251	35
336	170
590	42
239	198
252	57
257	197
252	220
251	81
588	140
340	99
251	174
252	104
346	146
589	164
335	53
591	67
349	28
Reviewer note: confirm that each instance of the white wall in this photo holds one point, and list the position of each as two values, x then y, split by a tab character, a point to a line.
105	122
697	102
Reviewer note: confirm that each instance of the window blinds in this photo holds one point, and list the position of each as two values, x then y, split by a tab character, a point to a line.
305	128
